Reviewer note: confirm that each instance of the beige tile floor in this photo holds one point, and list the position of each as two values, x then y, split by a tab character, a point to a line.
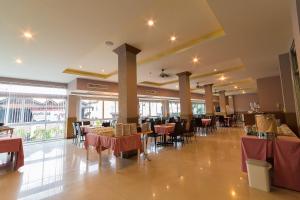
208	168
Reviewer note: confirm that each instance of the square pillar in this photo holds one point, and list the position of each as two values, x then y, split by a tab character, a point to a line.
72	114
209	105
185	96
222	101
127	74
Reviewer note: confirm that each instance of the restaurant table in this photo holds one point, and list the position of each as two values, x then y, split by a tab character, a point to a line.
164	130
205	122
227	121
285	150
287	163
13	145
254	148
116	144
7	130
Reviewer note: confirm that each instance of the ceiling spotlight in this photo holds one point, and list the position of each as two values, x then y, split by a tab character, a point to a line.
19	61
236	87
222	78
150	23
80	66
176	86
102	70
27	35
195	60
173	38
243	92
215	70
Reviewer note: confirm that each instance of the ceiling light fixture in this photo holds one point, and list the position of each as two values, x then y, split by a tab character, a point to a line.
195	60
222	78
173	38
150	22
215	70
243	92
19	61
27	35
80	66
236	87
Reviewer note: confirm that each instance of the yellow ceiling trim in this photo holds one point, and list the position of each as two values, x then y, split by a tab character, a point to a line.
182	47
89	74
247	80
196	76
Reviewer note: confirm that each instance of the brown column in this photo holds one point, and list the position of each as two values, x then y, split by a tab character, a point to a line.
185	96
230	105
209	105
288	93
73	113
222	101
166	111
128	112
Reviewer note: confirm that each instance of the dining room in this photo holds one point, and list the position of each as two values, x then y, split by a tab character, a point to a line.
149	99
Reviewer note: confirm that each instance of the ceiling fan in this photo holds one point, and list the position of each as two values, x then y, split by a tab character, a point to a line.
163	74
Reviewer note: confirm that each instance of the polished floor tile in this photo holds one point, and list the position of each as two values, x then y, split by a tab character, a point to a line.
208	168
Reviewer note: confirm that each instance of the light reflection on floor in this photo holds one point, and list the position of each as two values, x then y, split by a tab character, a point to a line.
208	168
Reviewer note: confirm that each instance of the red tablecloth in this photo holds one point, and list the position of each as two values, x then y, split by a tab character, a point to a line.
13	144
287	163
255	148
205	122
164	129
116	144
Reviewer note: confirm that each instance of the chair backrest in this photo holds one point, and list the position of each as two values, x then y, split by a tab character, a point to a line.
178	130
86	123
76	128
106	124
192	125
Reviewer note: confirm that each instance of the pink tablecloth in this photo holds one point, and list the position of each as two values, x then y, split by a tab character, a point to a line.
116	144
206	122
15	145
287	163
164	129
255	148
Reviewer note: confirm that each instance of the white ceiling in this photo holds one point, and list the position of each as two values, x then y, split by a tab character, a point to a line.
72	33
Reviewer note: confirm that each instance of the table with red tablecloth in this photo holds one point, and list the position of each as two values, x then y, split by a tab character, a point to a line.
116	144
286	153
13	145
205	122
164	129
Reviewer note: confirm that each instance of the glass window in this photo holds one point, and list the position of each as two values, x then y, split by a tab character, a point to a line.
155	108
35	113
174	108
91	109
109	109
198	108
144	108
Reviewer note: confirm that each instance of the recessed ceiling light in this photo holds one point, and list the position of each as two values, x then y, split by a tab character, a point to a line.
222	78
102	70
80	66
215	70
19	61
176	86
195	60
27	35
236	87
243	92
173	38
150	22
